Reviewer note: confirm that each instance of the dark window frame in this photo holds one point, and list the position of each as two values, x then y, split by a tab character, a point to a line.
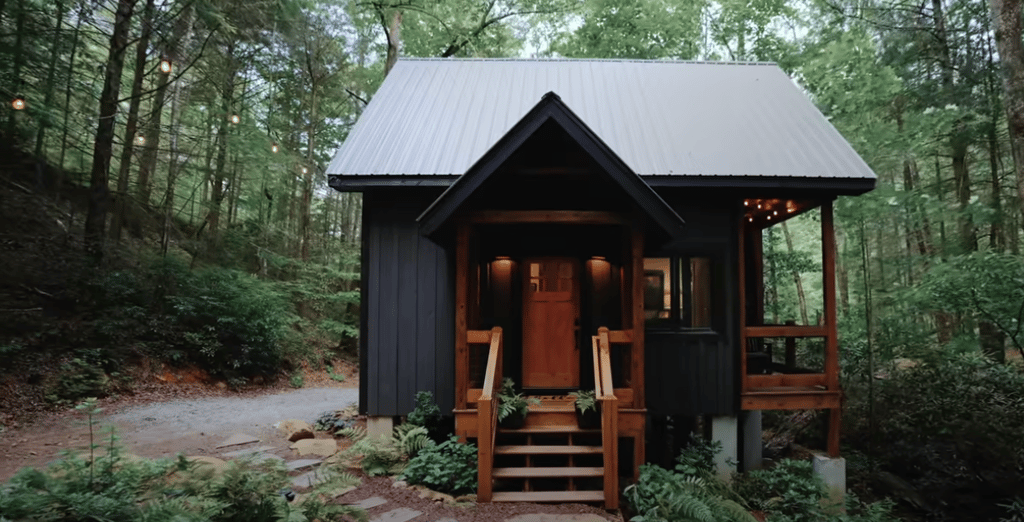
681	320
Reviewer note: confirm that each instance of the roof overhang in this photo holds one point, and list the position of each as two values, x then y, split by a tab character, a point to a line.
550	109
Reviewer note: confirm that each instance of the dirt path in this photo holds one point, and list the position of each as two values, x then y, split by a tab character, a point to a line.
163	429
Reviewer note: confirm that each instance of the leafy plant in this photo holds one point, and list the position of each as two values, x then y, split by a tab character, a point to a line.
385	455
297	380
788	489
449	467
663	496
511	402
585	400
332	421
426	414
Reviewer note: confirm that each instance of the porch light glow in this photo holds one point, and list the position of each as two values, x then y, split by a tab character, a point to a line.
502	258
598	258
18	103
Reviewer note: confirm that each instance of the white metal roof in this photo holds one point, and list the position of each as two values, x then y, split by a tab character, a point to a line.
439	116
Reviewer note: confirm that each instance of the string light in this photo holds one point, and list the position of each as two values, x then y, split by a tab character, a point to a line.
165	66
769	218
750	219
18	103
758	205
305	170
746	203
140	140
775	212
235	119
274	148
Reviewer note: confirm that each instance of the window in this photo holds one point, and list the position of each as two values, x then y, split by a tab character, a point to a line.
678	292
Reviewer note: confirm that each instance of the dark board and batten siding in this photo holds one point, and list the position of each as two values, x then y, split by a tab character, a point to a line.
692	372
409	305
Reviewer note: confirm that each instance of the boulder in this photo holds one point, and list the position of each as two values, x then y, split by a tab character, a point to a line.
295	429
321	447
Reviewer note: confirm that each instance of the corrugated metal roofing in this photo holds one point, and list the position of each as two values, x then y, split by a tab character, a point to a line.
439	116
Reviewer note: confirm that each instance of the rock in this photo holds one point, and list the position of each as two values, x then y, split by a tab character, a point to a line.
339	491
397	515
237	440
301	435
302	463
400	484
443	497
221	385
466	498
535	517
321	447
369	503
247	451
291	426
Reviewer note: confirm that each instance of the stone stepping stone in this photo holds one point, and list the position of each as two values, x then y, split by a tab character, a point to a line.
369	503
263	457
246	451
237	440
556	518
296	465
321	447
397	515
446	520
311	478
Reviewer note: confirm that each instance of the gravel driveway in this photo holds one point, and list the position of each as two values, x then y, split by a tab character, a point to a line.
205	422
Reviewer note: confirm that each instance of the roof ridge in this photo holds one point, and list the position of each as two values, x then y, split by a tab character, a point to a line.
581	60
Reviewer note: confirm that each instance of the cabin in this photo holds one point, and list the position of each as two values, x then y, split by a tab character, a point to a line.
590	225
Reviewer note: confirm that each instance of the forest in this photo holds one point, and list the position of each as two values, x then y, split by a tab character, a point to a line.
162	196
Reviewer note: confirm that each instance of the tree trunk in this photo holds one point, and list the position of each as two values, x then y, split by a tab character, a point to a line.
132	123
307	178
1006	18
19	63
51	72
180	39
99	193
842	277
227	102
796	277
393	32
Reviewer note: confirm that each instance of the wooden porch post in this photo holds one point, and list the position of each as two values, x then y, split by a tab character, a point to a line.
741	279
637	293
461	299
828	261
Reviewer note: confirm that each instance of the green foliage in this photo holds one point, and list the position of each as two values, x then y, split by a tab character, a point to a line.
788	489
332	421
297	380
449	467
110	487
698	458
426	414
78	378
386	455
585	400
511	402
940	420
228	322
663	496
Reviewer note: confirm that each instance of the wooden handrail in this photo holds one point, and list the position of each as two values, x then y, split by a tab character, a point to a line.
597	366
487	417
609	417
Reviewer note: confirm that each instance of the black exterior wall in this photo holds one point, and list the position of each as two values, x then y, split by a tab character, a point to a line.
407	341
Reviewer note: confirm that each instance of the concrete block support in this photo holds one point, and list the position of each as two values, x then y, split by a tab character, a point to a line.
376	426
725	429
751	447
833	473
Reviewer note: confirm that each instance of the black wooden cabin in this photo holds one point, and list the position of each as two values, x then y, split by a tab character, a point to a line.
588	225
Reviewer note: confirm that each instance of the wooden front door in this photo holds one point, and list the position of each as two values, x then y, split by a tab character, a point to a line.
550	323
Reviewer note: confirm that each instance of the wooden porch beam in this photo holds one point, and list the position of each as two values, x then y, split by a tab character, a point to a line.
785	331
785	379
565	217
828	261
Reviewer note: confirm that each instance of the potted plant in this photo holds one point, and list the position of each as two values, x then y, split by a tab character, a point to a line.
512	406
588	411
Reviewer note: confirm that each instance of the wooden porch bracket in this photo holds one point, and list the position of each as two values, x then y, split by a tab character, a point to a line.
487	415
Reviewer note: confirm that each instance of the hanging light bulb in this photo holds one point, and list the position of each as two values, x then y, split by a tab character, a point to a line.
274	148
305	170
235	119
18	103
140	140
165	66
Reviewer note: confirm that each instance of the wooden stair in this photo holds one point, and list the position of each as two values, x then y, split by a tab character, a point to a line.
548	460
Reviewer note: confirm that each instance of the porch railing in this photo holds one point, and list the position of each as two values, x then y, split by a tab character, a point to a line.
487	415
605	393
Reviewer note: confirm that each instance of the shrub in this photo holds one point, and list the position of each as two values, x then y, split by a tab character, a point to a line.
449	467
386	455
427	415
663	496
788	489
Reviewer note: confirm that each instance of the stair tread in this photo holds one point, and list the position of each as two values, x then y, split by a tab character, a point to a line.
547	472
548	450
548	429
548	496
